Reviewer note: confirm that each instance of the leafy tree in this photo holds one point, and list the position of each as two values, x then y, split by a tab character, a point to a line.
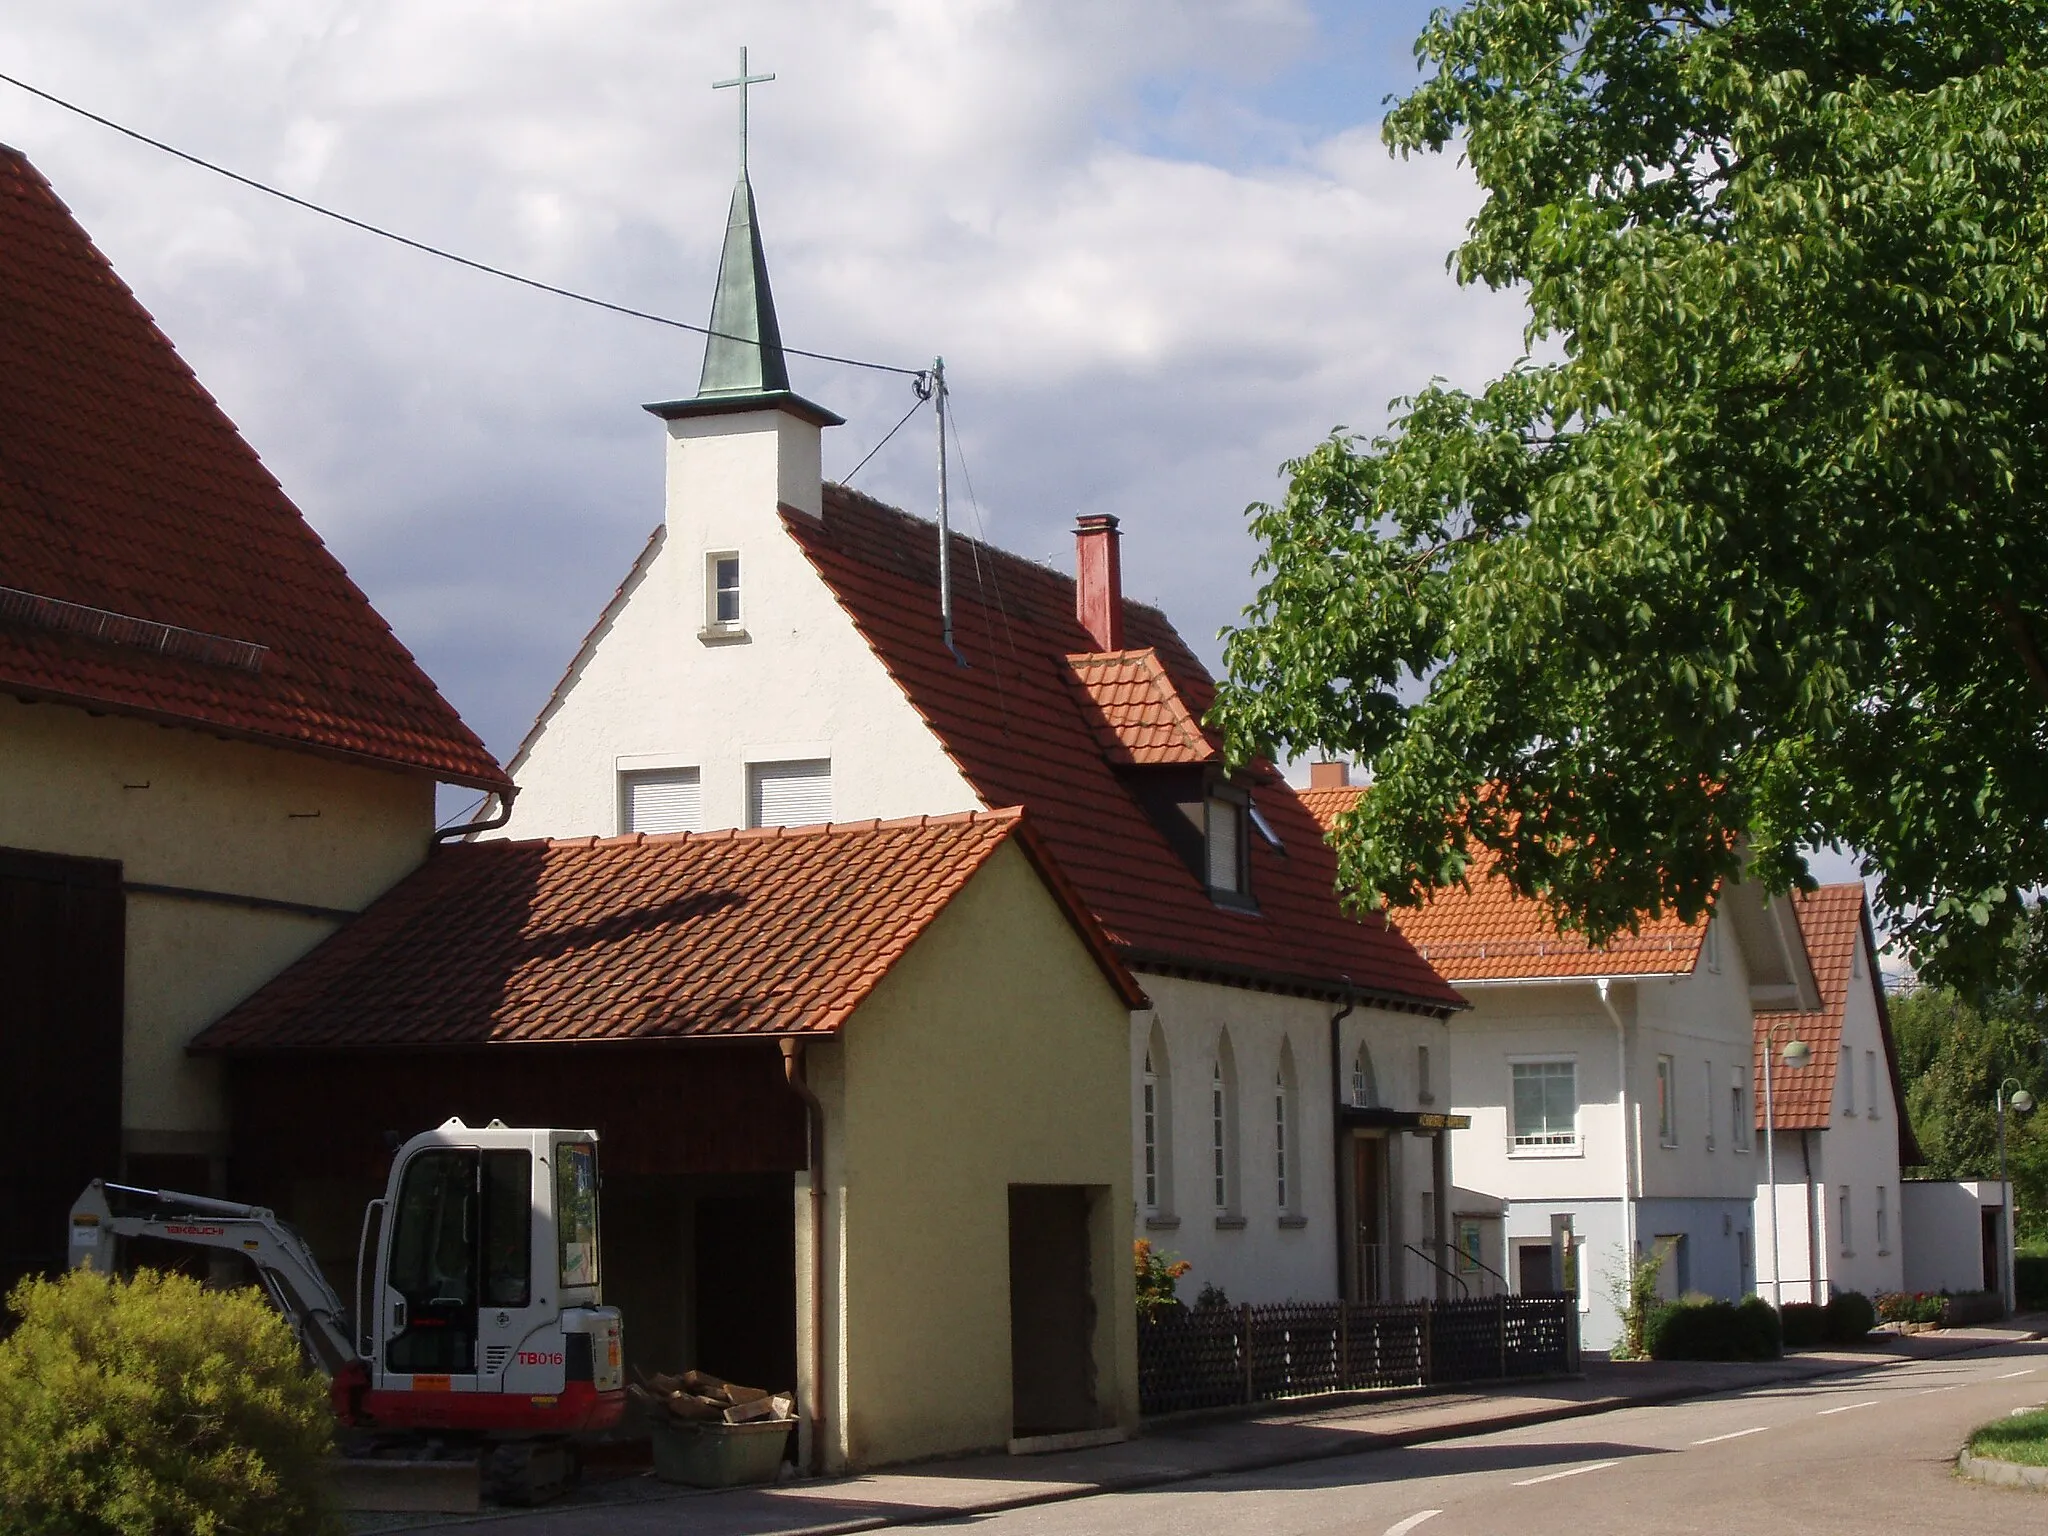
130	1408
1751	554
1954	1053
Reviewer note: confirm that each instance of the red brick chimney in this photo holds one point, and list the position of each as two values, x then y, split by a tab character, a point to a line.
1329	775
1099	580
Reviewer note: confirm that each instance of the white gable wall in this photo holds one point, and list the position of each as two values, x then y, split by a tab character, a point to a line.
650	692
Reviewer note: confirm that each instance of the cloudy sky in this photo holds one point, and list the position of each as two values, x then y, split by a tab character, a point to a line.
1158	242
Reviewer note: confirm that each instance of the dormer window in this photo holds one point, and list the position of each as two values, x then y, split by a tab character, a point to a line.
1224	820
722	596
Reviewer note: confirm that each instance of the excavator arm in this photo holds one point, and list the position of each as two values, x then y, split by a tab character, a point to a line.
284	1265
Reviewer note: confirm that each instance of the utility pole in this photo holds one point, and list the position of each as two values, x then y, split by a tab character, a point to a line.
945	525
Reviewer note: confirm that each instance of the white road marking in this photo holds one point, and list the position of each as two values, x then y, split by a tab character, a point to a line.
1551	1477
2008	1376
1926	1391
1734	1434
1869	1402
1402	1528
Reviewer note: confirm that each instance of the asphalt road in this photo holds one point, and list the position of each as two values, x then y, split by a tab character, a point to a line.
1870	1452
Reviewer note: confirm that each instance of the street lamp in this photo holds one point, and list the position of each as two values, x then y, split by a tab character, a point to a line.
2021	1102
1796	1054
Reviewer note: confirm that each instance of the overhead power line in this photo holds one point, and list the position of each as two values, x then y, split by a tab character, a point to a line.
431	250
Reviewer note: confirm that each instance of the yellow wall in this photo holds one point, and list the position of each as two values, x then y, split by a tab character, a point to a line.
996	1053
178	807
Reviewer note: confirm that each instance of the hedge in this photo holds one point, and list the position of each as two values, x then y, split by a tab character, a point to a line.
1714	1330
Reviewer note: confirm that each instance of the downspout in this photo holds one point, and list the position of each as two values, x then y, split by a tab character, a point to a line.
1813	1248
1628	1207
793	1072
1336	1132
504	796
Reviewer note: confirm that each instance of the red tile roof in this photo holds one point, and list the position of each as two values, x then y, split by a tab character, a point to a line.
1137	716
1014	721
1483	931
779	931
149	565
1835	924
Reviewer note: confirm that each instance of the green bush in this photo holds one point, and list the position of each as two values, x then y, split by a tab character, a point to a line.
133	1407
1714	1330
1805	1325
1912	1307
1850	1317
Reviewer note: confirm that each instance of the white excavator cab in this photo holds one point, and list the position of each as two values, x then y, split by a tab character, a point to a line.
477	1282
478	1285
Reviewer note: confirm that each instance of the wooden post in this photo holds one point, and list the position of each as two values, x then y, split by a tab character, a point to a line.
1343	1346
1428	1362
1501	1323
1244	1344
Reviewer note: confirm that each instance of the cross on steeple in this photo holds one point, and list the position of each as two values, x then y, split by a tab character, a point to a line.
743	80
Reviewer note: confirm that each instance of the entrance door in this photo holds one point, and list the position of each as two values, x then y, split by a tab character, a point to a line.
1052	1311
1534	1266
1993	1224
1369	1202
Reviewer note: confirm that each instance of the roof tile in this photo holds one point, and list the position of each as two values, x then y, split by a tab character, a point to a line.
777	931
1025	729
124	488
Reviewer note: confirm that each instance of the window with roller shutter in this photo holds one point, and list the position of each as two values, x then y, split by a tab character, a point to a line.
797	794
668	800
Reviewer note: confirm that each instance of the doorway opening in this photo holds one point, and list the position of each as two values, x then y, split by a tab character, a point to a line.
1052	1311
1371	1264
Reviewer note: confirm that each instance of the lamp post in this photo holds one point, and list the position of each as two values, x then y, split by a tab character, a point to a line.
2021	1102
1797	1054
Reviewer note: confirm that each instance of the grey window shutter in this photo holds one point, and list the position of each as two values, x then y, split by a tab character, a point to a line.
669	801
789	794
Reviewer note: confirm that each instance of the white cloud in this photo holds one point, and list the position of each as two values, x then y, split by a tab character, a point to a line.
1127	329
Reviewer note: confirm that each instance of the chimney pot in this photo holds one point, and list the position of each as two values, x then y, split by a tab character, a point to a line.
1099	580
1329	775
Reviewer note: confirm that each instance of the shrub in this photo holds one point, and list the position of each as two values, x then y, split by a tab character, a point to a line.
1850	1316
1911	1307
1713	1330
1805	1324
2030	1279
131	1407
1632	1287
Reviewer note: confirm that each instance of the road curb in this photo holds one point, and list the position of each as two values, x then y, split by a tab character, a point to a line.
2000	1474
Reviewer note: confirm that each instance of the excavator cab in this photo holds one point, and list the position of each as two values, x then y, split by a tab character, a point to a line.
477	1301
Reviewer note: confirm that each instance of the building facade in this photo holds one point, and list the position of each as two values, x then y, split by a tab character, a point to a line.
787	651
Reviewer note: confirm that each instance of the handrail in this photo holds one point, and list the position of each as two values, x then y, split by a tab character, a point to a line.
1479	1263
1440	1269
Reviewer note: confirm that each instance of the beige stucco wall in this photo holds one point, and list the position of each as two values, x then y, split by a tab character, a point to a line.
994	1054
177	807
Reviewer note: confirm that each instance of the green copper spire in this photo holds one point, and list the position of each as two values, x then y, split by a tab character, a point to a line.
743	356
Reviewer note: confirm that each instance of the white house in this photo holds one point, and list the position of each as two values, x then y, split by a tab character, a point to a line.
1841	1133
1608	1089
777	654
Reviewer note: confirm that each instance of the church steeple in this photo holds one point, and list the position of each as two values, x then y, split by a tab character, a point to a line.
743	355
744	369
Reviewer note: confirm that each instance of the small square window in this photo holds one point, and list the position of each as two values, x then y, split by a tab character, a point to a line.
722	593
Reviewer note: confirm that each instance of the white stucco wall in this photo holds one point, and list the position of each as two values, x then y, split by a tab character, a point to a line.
1702	1186
1256	1250
177	807
799	683
1944	1227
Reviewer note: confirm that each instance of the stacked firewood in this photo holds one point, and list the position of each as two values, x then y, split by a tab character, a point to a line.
698	1397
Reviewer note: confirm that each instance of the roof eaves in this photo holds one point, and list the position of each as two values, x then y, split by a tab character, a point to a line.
1259	980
